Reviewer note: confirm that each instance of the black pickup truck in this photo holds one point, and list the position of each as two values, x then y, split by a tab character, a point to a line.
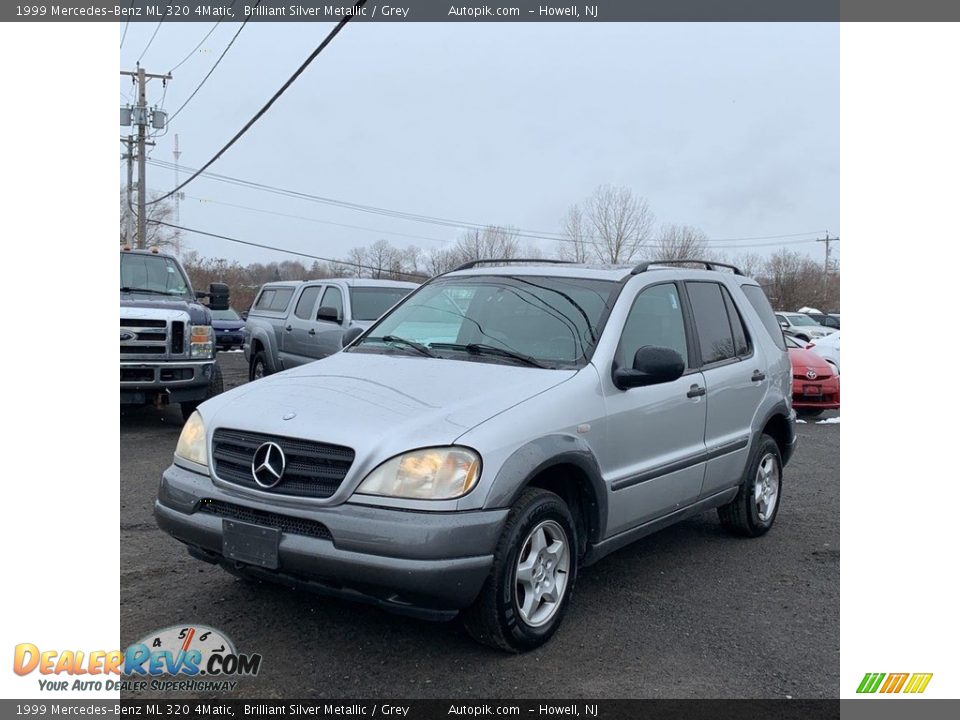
167	343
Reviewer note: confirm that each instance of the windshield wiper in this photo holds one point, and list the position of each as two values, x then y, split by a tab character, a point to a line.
412	344
148	291
482	349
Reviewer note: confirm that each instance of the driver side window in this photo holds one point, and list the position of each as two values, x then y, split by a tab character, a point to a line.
656	318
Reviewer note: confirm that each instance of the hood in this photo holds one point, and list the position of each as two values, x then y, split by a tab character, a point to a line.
379	405
803	359
227	324
199	315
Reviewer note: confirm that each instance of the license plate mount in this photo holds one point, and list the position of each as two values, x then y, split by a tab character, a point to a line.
251	544
812	390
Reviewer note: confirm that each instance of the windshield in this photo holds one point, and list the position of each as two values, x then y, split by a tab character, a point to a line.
228	314
531	320
801	320
153	274
369	303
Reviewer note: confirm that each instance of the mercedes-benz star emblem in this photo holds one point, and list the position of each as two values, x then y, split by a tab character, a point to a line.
268	464
811	374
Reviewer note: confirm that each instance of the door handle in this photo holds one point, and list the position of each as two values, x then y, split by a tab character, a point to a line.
696	391
288	328
312	331
757	376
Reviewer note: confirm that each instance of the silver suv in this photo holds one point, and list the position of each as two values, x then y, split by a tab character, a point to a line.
496	431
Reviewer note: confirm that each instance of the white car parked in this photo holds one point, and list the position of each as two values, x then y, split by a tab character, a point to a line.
829	349
802	326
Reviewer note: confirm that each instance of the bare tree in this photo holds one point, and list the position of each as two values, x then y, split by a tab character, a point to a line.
621	222
357	257
679	242
750	263
157	235
577	245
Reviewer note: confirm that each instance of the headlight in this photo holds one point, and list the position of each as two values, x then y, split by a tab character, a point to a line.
192	444
201	341
441	473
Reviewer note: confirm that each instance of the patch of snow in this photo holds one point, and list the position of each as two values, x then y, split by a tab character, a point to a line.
801	421
829	421
809	310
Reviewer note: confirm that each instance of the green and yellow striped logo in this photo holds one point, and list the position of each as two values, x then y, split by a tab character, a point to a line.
894	682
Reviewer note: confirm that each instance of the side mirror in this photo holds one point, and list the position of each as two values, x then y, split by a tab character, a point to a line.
652	365
330	314
784	324
350	335
219	296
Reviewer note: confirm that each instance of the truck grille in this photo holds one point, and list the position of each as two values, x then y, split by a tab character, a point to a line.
140	338
283	523
313	469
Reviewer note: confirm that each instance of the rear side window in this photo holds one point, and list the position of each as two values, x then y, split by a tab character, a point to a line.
760	303
274	299
307	301
741	339
713	325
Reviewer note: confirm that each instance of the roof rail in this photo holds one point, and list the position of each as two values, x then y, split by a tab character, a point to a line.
707	264
505	261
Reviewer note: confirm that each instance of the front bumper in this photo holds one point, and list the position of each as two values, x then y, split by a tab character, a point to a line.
180	381
826	397
422	563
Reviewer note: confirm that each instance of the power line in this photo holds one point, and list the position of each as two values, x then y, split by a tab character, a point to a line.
349	263
283	88
210	71
316	220
444	222
125	28
150	42
199	44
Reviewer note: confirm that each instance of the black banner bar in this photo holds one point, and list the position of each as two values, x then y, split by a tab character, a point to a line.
433	709
484	11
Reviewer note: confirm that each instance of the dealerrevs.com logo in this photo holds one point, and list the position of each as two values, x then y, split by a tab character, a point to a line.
909	683
187	658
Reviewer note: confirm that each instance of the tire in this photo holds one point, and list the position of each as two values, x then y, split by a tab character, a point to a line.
258	366
743	515
497	617
214	388
809	412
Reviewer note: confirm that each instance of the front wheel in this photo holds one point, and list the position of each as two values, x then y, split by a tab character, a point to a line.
258	366
752	512
534	569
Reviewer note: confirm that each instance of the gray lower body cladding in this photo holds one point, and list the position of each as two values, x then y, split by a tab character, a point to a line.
421	563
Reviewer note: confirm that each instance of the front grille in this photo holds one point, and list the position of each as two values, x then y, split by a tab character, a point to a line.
152	337
134	323
283	523
313	469
818	378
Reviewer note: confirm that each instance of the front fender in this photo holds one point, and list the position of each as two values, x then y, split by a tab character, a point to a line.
265	338
542	454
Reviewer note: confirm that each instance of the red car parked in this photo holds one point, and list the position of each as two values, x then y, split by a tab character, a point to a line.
816	386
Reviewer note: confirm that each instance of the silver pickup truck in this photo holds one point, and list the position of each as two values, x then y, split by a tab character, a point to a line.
296	322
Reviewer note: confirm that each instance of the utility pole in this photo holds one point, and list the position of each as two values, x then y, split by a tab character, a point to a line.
141	116
176	183
826	240
129	158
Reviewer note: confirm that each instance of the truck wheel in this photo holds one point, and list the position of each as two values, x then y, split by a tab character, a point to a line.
258	366
214	388
752	512
534	569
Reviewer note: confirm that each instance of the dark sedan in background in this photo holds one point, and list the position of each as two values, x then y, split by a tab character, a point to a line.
228	329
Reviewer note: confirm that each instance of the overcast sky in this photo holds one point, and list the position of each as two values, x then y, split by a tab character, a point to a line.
732	128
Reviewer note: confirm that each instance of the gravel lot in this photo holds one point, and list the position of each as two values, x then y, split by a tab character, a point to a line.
687	612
